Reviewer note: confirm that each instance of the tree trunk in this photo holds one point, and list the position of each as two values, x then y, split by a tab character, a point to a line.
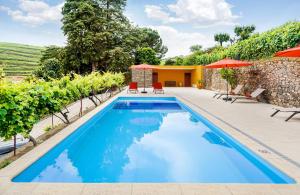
94	66
97	99
65	115
80	112
107	12
78	70
52	120
32	140
94	102
66	122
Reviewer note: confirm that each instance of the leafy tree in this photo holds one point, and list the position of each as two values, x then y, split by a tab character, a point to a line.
191	59
170	61
232	40
81	22
221	38
23	104
51	68
72	62
257	46
52	52
147	37
52	63
214	49
179	60
196	48
98	34
229	75
93	28
147	55
244	32
115	32
17	111
120	60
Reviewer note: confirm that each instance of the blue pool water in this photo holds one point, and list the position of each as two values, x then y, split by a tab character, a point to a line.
150	140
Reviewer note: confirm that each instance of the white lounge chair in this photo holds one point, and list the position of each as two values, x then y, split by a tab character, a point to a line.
236	91
294	111
252	96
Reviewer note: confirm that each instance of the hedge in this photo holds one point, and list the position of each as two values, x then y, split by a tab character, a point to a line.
257	46
24	104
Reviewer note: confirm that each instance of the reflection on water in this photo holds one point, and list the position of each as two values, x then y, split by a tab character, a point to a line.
144	145
62	167
213	138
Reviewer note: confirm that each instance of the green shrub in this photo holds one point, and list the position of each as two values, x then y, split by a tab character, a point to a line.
4	163
48	128
147	55
229	75
50	68
266	44
257	46
23	104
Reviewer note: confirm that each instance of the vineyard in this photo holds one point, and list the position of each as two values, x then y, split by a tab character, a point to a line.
24	104
19	59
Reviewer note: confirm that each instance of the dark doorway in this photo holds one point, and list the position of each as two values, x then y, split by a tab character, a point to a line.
154	77
187	79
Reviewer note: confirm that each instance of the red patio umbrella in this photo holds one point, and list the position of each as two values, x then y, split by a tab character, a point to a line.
142	67
228	63
292	52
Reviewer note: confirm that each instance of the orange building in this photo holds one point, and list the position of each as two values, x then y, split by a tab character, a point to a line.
177	76
170	76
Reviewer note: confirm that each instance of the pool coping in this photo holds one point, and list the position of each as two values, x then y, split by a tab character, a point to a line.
12	170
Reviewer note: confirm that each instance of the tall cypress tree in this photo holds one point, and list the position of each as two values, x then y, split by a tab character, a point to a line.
99	36
93	28
79	19
116	26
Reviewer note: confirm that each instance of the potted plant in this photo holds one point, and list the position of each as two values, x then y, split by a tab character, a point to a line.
200	84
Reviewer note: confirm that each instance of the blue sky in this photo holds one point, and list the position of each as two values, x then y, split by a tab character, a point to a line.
181	23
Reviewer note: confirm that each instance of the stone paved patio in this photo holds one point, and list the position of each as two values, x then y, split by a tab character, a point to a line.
273	139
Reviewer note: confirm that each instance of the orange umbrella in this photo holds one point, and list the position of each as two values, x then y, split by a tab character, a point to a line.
293	52
142	67
228	63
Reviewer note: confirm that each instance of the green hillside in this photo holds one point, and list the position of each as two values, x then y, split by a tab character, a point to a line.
19	59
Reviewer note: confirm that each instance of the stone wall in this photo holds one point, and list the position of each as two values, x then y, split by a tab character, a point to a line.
279	76
213	80
138	76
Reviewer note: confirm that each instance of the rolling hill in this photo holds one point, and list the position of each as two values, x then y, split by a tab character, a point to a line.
19	59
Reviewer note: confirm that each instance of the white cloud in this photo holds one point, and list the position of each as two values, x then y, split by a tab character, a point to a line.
34	12
200	13
157	12
178	42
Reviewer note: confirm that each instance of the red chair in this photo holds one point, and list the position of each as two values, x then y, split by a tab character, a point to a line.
133	87
157	87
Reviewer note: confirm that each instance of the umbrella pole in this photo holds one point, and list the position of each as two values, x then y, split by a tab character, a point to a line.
227	93
227	90
144	83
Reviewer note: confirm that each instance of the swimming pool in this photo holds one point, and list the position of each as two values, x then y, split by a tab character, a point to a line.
150	140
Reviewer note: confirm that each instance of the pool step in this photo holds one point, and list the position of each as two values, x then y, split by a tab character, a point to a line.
147	105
